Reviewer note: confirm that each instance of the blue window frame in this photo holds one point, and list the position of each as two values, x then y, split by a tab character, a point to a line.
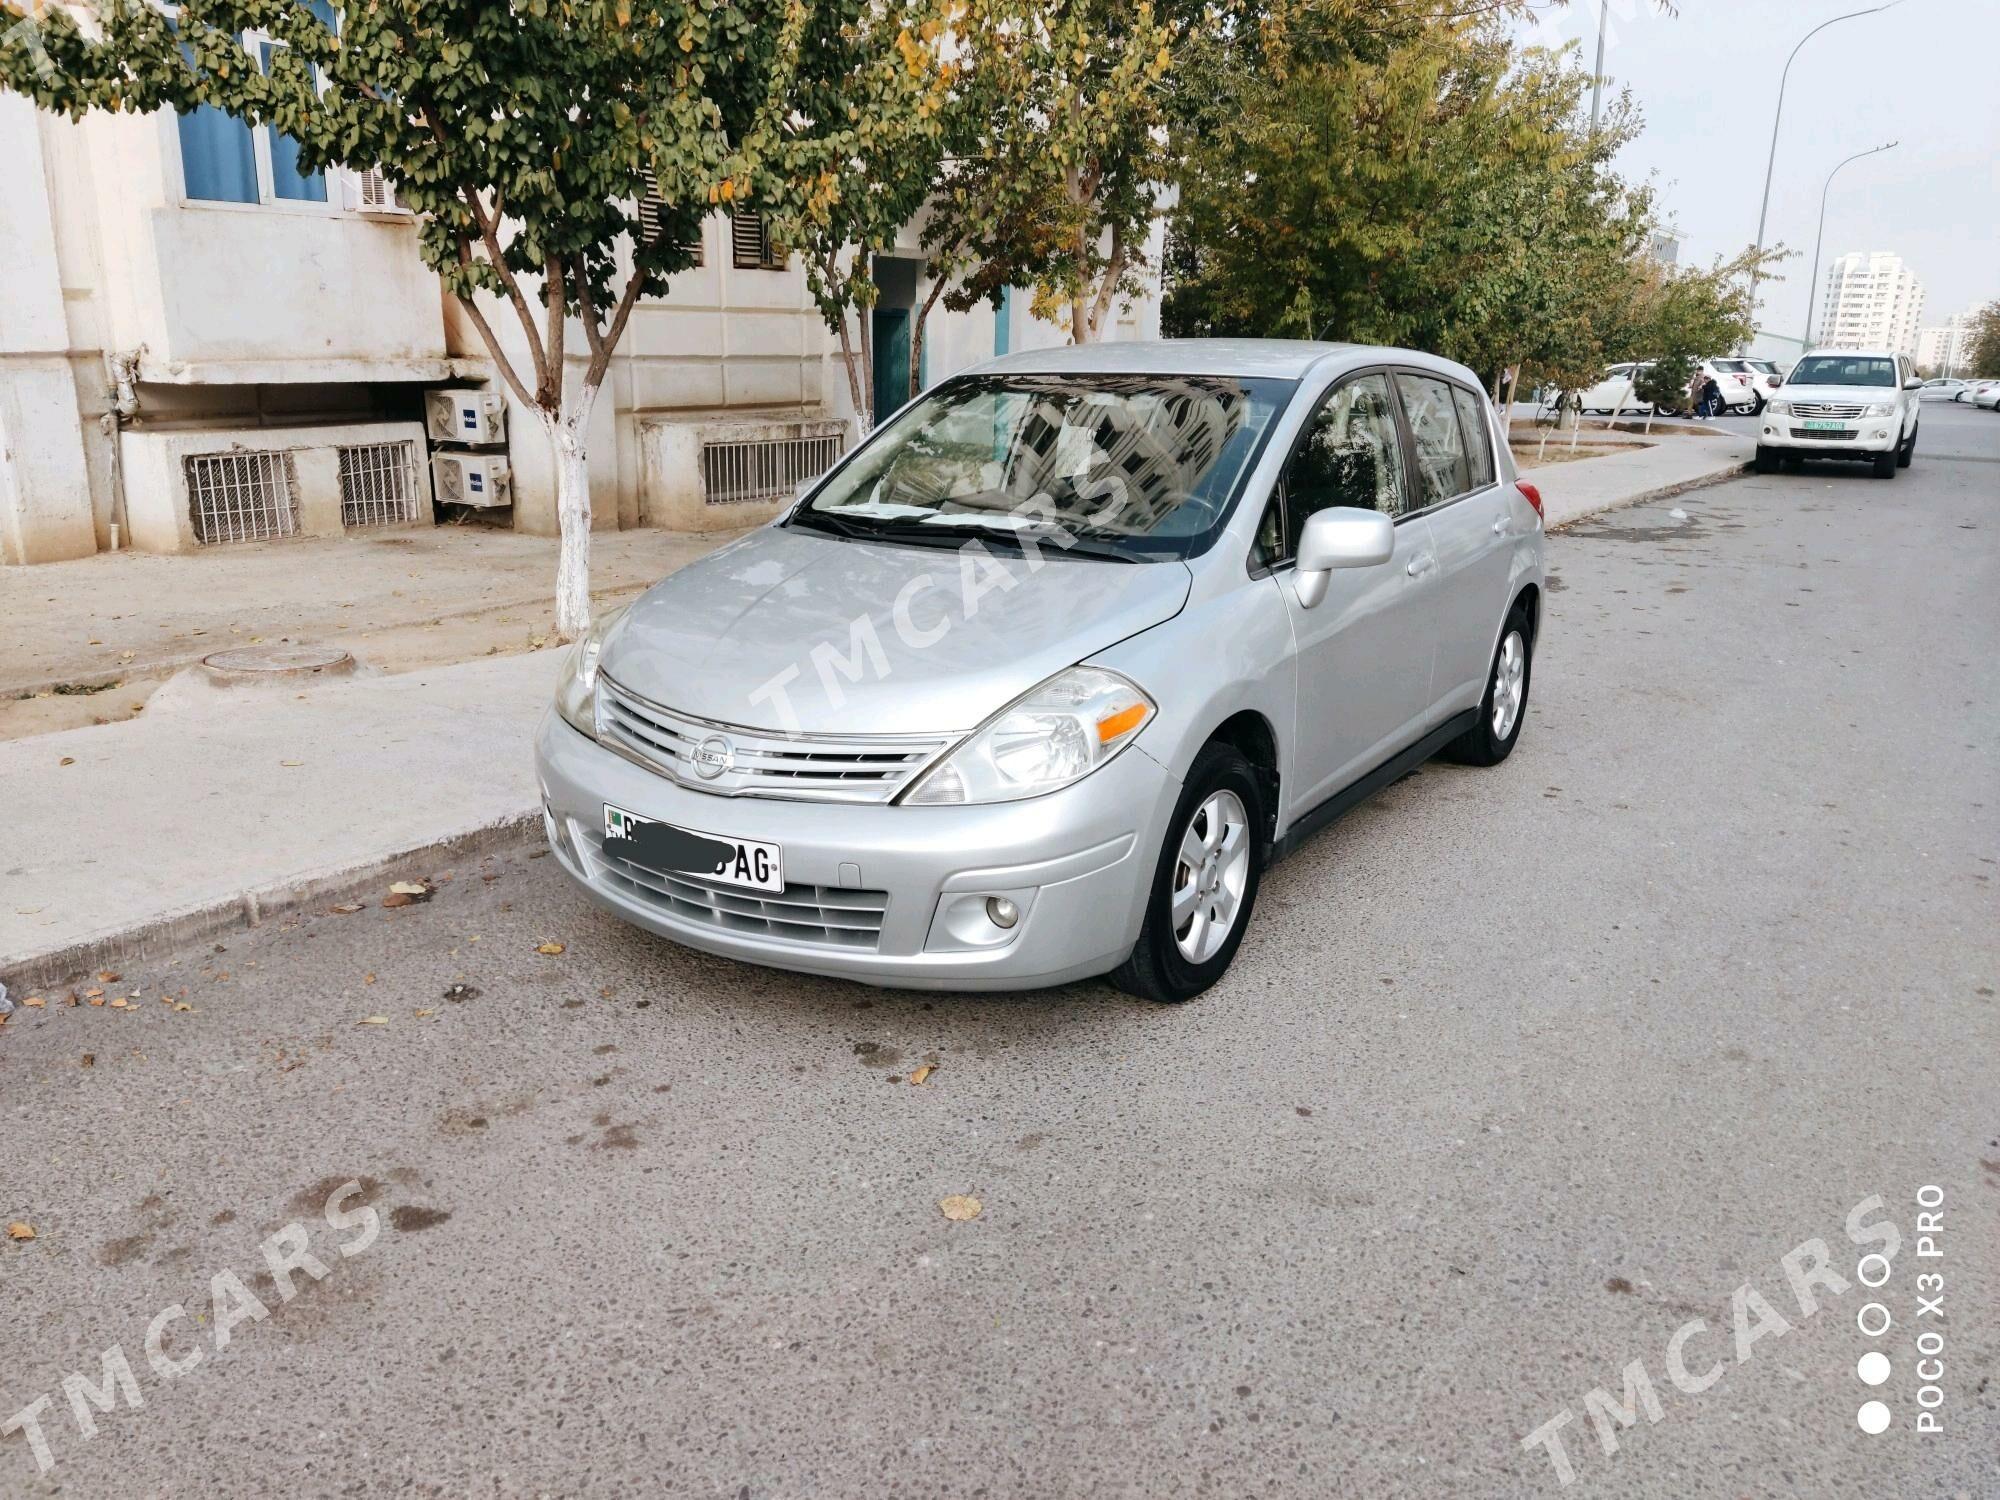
287	181
218	157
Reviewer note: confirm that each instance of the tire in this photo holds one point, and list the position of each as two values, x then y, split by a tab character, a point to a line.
1172	965
1794	462
1767	459
1885	465
1908	449
1757	407
1485	743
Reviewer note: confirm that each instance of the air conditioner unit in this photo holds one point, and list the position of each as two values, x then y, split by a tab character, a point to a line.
370	191
472	479
466	416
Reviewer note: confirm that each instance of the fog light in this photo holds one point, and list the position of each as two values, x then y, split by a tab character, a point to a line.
1001	912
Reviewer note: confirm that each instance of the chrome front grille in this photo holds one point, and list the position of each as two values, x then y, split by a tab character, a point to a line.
1848	411
828	916
755	762
1823	436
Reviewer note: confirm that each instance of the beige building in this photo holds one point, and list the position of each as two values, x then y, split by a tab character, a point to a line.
200	345
1943	348
1871	301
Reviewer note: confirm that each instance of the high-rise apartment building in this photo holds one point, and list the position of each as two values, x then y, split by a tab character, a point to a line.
1871	300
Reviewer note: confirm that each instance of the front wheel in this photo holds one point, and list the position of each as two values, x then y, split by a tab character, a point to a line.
1205	885
1907	450
1885	465
1767	459
1505	705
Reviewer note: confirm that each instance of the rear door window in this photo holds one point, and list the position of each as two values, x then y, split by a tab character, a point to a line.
1442	469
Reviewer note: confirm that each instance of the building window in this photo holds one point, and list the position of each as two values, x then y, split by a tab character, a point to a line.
750	242
652	215
226	160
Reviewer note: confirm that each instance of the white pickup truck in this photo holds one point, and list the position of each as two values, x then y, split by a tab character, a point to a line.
1843	403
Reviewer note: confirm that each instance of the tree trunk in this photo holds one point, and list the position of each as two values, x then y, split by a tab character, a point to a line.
917	325
566	430
849	360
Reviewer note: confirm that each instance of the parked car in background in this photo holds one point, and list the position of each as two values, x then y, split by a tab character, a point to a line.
1615	389
1843	403
1769	375
1034	683
1970	389
1987	394
1943	388
1737	383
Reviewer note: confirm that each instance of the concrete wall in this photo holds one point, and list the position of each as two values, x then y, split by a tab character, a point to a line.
159	510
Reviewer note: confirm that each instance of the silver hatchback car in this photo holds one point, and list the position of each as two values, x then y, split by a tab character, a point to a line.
1037	681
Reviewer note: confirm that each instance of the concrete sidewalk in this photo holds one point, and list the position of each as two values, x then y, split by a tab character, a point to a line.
225	805
1571	491
221	806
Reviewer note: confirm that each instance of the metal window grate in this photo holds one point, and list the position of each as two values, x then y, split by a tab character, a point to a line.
764	469
653	215
241	497
378	484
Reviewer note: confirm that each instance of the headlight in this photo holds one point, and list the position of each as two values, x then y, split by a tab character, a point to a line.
576	694
1778	408
1049	737
1880	409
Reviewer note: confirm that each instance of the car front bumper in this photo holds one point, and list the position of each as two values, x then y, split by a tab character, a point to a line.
1872	435
1076	863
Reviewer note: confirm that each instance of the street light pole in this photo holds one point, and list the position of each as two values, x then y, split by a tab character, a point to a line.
1771	157
1597	78
1812	287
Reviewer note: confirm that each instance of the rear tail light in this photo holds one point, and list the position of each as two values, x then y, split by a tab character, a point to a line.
1529	493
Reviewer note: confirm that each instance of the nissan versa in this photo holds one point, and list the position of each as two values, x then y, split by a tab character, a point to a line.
1035	683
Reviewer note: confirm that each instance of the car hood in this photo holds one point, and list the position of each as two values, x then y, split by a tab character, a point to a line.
1838	395
787	619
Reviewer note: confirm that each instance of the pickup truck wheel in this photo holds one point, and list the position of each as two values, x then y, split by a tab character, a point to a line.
1908	450
1767	459
1205	885
1885	465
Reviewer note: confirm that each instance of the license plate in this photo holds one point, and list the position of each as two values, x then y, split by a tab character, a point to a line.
1821	424
711	857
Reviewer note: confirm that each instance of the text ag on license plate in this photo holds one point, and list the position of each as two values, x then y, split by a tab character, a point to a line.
710	857
1821	424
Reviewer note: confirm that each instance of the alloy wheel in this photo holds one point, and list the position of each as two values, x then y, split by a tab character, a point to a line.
1210	874
1510	675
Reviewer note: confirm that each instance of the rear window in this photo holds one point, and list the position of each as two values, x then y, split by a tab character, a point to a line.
1843	369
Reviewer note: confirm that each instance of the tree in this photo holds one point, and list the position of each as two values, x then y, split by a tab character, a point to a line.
877	76
524	133
1983	357
1058	161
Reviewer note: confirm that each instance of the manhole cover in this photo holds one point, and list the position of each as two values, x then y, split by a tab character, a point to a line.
281	660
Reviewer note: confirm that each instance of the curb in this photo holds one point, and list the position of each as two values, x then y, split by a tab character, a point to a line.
26	972
1659	492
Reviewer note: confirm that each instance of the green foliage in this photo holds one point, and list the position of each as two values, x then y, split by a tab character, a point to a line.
1663	385
1983	361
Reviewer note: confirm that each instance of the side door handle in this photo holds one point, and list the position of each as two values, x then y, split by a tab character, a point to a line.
1420	564
1500	527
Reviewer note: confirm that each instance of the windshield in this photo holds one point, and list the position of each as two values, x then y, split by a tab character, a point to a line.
1136	467
1843	369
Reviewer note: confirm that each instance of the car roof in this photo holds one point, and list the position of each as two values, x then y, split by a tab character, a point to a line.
1851	354
1279	359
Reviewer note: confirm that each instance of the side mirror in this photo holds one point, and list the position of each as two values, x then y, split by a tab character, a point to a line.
1913	384
1340	537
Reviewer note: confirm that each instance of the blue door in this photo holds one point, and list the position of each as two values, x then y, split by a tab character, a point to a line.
892	359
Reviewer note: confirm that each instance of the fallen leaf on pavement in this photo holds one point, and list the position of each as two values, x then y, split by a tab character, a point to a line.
549	948
89	1060
35	1002
397	898
96	999
367	978
92	993
423	1015
918	1075
373	1021
183	1005
291	762
347	908
410	888
19	1231
120	1004
67	760
958	1208
109	976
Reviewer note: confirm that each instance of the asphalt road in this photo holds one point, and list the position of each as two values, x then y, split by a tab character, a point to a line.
1519	1071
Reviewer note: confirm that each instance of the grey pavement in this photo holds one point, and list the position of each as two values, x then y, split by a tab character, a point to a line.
1519	1071
129	835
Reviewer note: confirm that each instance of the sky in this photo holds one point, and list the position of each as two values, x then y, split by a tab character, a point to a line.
1706	80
